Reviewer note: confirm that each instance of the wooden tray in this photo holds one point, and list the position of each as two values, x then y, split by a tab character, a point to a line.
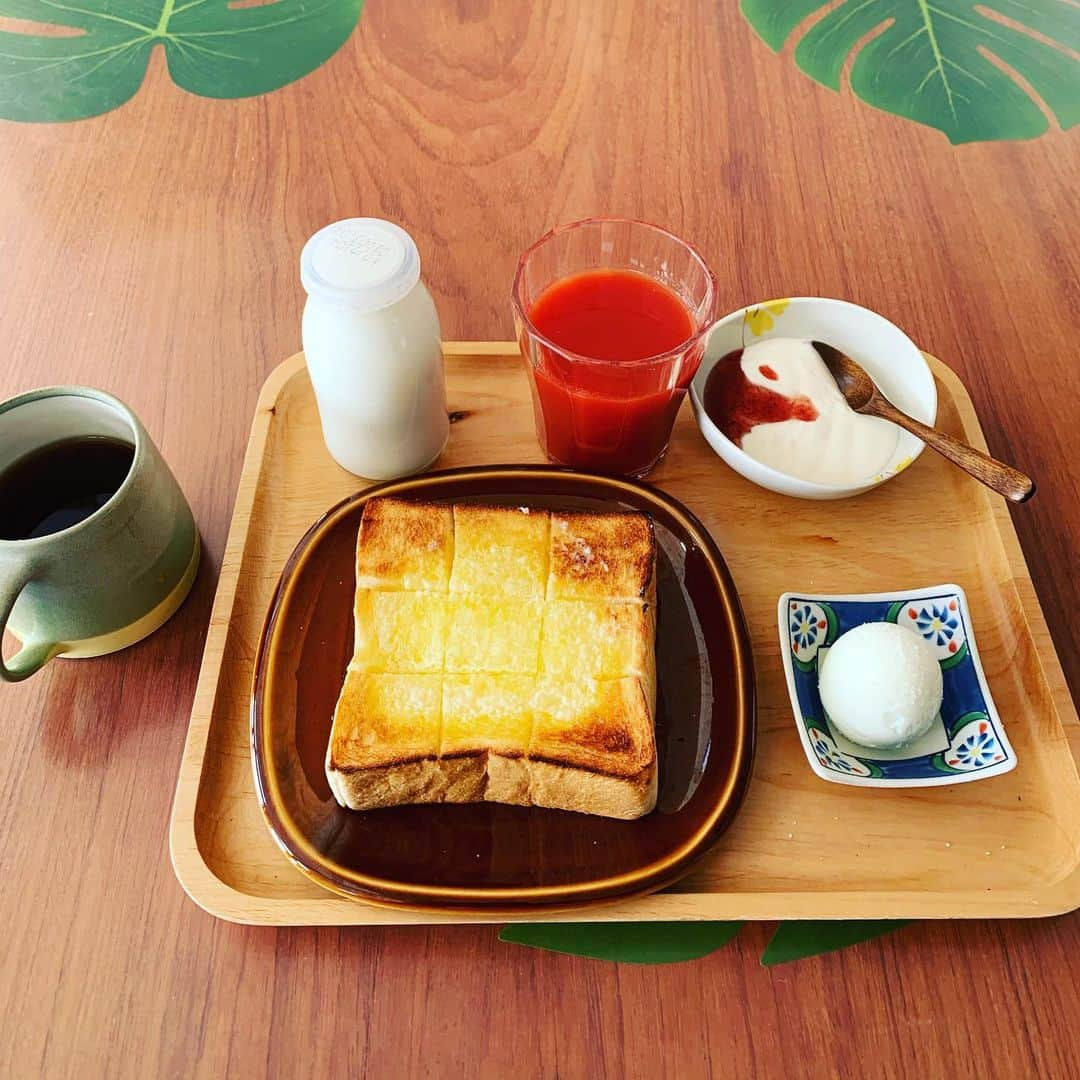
801	848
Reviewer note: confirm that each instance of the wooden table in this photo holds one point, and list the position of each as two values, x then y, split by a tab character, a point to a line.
153	251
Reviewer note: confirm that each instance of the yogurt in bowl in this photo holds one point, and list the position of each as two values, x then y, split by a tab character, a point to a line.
767	405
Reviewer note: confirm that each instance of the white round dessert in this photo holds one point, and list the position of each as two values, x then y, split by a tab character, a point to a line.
881	685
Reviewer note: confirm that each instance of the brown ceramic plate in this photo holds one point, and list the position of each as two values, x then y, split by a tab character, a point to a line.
484	855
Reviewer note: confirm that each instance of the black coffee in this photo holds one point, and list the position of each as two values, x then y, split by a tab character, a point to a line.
60	484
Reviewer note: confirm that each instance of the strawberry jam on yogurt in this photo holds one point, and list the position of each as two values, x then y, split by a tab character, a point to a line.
777	401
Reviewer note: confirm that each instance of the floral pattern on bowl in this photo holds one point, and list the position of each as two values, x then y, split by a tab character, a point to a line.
761	319
810	626
974	746
967	742
939	623
832	757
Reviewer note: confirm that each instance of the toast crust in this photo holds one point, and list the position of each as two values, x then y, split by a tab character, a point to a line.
491	777
503	654
405	545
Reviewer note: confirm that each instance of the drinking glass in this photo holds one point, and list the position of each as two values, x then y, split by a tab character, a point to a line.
610	415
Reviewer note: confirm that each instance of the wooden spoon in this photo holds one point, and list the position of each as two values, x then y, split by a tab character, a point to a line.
862	394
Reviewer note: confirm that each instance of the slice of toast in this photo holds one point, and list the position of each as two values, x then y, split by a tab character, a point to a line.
405	546
504	654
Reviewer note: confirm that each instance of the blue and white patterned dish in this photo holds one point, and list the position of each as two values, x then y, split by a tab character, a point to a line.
966	742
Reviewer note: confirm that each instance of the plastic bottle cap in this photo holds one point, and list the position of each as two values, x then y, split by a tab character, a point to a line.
362	262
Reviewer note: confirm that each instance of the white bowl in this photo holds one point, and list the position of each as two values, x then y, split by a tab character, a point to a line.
886	352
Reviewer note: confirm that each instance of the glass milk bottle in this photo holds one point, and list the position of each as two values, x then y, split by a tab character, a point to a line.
373	348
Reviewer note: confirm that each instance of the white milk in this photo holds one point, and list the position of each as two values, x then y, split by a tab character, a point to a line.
373	347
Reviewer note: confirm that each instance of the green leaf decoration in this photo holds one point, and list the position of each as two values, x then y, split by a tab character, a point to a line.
928	60
957	657
629	943
938	762
211	49
672	942
798	940
965	719
833	627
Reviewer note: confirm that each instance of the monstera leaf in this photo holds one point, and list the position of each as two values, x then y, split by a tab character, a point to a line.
930	59
97	58
627	943
672	942
798	940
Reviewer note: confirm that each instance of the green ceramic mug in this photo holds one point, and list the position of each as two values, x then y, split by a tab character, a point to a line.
108	580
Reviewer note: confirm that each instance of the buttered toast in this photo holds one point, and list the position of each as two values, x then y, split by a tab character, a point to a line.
501	654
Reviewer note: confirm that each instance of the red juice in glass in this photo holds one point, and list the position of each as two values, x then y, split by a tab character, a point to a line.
611	350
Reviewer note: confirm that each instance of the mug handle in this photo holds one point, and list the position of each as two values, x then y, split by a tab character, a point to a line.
31	658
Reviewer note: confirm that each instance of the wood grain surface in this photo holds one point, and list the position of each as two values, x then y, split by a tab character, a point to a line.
154	252
902	854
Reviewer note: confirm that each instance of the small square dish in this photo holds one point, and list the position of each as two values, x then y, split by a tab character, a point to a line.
967	740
